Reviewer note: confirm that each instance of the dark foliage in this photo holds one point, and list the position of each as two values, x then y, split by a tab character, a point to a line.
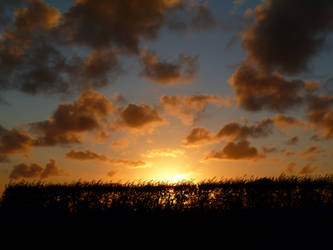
262	212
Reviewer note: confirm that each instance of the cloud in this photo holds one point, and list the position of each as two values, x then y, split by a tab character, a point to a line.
293	140
168	73
88	155
236	131
31	62
188	108
283	122
124	25
164	152
35	170
238	2
198	136
195	16
320	115
23	170
51	169
39	46
289	168
241	150
130	163
257	90
112	173
307	169
118	98
122	143
88	113
269	150
289	153
139	117
14	141
288	34
312	152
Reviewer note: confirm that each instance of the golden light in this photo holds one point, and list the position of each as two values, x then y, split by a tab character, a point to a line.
179	178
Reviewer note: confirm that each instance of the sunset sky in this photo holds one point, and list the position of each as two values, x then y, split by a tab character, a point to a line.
126	90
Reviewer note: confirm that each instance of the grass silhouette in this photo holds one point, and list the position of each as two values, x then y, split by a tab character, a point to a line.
276	208
156	198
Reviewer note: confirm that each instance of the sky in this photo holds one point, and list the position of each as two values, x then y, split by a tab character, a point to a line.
164	90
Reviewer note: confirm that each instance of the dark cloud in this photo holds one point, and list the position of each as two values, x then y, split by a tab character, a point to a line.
23	170
257	90
307	169
320	115
51	170
88	113
45	51
124	24
235	130
168	73
269	150
189	108
289	153
198	136
35	170
241	150
287	34
118	98
196	17
112	173
139	116
283	122
14	141
293	140
118	23
312	152
86	155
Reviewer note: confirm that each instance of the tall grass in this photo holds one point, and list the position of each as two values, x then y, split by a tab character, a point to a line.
151	198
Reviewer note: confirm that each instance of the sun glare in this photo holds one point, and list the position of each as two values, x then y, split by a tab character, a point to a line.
179	178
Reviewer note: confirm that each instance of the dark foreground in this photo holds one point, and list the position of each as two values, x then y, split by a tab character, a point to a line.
282	213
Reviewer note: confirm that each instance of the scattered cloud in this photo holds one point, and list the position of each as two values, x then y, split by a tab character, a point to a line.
235	131
139	117
293	140
88	155
164	152
51	169
282	39
37	38
88	113
320	115
168	73
257	90
14	141
198	136
119	99
189	108
269	150
35	170
289	153
283	122
241	150
307	169
122	143
312	152
112	173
